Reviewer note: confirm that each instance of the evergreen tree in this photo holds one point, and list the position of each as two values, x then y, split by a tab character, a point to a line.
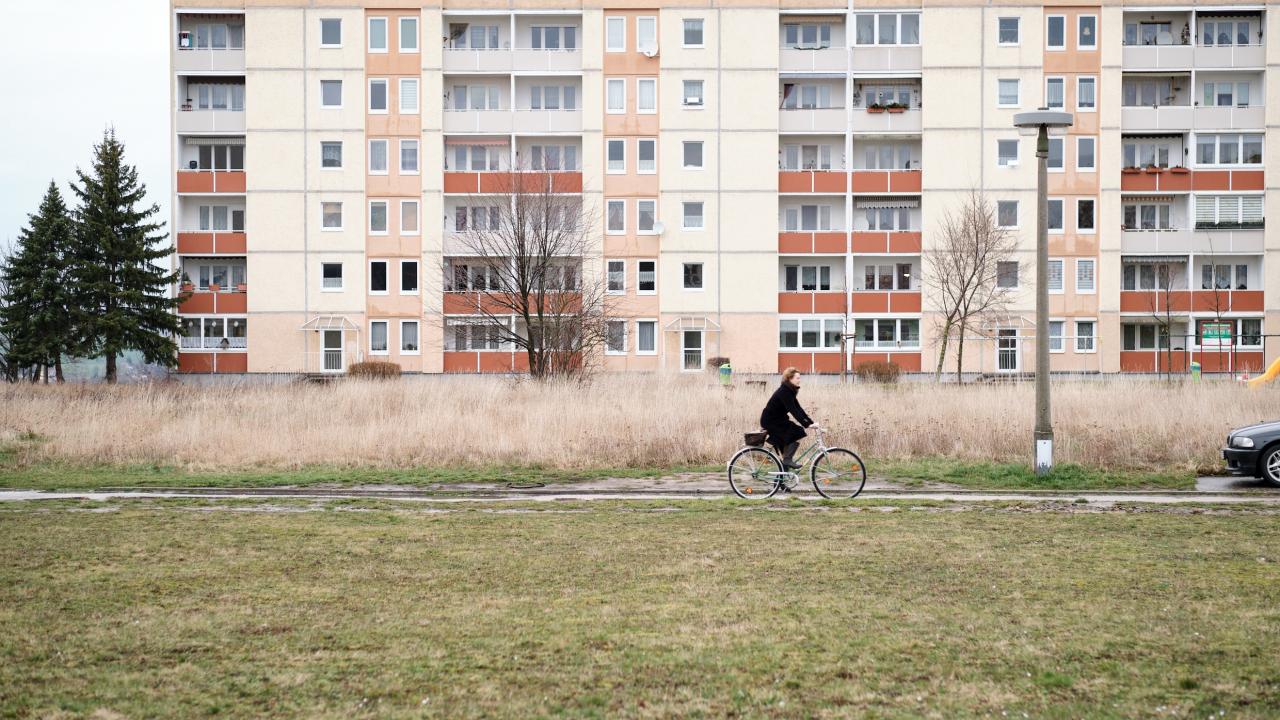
34	317
122	300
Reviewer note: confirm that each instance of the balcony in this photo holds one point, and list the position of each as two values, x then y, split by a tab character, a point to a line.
828	120
887	58
208	60
506	60
209	44
211	121
1156	118
1158	57
1154	179
213	302
211	243
1171	240
1182	301
889	120
211	181
892	242
508	121
886	301
1229	118
1230	57
812	181
823	60
803	302
886	181
506	182
827	242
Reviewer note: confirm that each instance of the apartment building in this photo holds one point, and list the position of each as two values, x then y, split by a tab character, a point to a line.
769	180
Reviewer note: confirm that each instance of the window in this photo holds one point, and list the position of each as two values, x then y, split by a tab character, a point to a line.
616	217
553	97
646	277
1007	153
1009	31
615	34
1226	94
887	333
378	96
617	95
409	217
1084	215
476	218
1085	275
646	337
806	278
377	277
1144	154
1085	155
1084	335
646	215
807	36
473	36
646	156
408	157
616	155
408	34
692	93
409	337
617	276
887	277
1008	93
476	97
1055	214
221	218
1229	211
646	95
615	337
1007	274
1143	337
693	216
693	32
1223	31
330	32
806	218
476	158
378	337
1148	275
693	276
1146	216
1218	276
377	217
409	96
811	333
331	155
331	216
1229	149
1054	163
377	35
217	96
1007	213
1087	32
887	29
220	157
692	154
890	217
331	93
1056	32
808	96
378	157
1086	94
1055	335
330	277
878	156
559	158
1055	275
1054	89
647	35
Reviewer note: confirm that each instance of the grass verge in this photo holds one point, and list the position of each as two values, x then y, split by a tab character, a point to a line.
159	610
1016	476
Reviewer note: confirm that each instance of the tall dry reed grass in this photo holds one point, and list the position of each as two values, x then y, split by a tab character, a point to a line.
611	422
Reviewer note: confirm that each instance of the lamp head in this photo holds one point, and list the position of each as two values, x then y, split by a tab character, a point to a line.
1056	121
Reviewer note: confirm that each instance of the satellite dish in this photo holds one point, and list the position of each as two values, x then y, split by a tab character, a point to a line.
659	228
649	52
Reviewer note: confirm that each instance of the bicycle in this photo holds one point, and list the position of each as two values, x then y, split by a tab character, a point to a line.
756	473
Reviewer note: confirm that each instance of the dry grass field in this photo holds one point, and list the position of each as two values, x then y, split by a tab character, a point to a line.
612	422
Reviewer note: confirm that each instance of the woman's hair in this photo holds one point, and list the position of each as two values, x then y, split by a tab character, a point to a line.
789	373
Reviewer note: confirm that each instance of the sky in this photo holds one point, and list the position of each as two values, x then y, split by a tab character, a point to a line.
68	70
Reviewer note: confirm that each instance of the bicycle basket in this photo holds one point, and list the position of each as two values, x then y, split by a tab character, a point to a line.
755	439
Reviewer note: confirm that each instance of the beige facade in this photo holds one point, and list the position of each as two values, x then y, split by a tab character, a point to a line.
768	180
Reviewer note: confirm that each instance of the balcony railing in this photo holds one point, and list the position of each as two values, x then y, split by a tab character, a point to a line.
504	60
211	121
828	59
213	343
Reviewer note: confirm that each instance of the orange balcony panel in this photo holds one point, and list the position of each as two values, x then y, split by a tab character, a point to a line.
1143	361
461	362
1253	362
905	181
497	182
862	358
828	302
795	242
195	243
904	302
237	362
1215	360
1246	180
829	242
1154	301
795	182
870	181
905	242
459	303
800	361
829	182
909	362
236	302
1174	181
229	181
461	182
195	362
826	362
870	242
1139	181
1211	180
520	361
1246	301
496	362
870	302
231	243
195	181
1210	300
566	182
795	302
197	303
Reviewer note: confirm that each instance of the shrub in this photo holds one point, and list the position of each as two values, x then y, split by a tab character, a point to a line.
376	369
878	371
714	363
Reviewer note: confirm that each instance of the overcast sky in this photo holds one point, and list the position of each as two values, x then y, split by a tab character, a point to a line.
69	69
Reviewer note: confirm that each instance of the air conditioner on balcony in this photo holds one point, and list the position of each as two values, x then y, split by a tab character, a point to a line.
650	52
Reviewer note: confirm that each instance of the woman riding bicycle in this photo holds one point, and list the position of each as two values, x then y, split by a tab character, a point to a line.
784	434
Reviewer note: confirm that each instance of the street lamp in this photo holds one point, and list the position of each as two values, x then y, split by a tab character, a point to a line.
1041	123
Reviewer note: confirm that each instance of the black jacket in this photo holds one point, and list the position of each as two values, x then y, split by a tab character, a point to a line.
783	432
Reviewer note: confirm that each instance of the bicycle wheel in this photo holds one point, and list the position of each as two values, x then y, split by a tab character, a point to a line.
838	474
753	473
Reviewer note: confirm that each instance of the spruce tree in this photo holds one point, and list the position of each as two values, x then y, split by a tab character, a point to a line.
122	300
34	316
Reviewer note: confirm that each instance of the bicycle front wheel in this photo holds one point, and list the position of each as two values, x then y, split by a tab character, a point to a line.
838	474
754	473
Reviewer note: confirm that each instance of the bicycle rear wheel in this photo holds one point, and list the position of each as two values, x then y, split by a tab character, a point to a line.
754	473
838	474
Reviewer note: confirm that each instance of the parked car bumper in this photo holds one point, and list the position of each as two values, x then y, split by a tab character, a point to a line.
1241	461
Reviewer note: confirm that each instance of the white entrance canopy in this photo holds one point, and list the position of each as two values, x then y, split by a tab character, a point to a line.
692	322
329	322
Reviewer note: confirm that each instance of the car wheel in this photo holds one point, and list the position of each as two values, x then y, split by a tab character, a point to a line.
1270	466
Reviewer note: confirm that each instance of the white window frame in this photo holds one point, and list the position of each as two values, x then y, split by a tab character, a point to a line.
684	215
618	19
607	83
323	46
1081	139
1017	21
1093	339
702	30
639	168
342	276
1080	80
1017	153
341	95
650	231
1062	344
417	213
341	216
607	204
684	94
386	351
651	321
1091	290
607	349
1062	156
640	82
417	151
386	154
1062	276
400	34
1047	81
1017	275
341	155
701	153
1076	216
417	108
639	290
400	280
386	93
643	20
611	171
386	35
702	276
369	219
386	264
1079	29
1063	215
608	272
401	338
1017	213
1017	83
1048	19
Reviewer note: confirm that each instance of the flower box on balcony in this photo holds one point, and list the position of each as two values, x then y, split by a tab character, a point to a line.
875	108
242	287
188	288
214	287
1131	170
1153	169
1180	170
896	108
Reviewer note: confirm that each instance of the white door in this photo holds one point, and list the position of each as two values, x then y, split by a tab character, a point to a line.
691	349
332	360
1007	350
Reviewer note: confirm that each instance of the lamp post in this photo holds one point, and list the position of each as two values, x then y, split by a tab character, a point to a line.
1041	123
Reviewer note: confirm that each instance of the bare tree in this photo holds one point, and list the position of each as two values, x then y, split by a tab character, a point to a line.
962	269
1161	304
527	257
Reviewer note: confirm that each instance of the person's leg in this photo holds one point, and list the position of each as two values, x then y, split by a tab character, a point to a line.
789	455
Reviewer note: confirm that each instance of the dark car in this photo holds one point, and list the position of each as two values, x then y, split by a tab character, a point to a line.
1255	450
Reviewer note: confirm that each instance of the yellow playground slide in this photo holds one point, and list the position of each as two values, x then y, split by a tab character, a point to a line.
1267	376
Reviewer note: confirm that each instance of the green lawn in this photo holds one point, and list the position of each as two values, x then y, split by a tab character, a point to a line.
713	609
1016	476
